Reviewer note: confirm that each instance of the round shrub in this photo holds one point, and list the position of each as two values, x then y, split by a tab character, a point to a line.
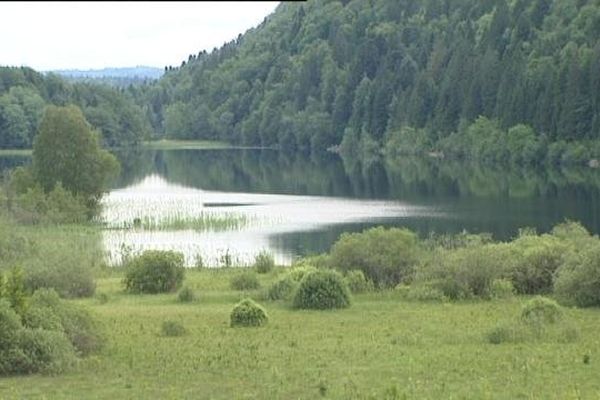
245	281
48	352
283	289
248	313
264	262
323	289
83	330
186	295
172	329
541	310
155	271
578	280
356	281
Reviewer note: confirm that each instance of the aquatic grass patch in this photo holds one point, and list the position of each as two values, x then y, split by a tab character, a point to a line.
205	221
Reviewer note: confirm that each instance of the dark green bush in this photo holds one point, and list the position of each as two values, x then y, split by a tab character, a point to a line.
83	330
578	280
155	271
48	352
283	289
356	281
537	259
385	256
172	328
264	262
186	295
25	350
248	313
322	289
245	281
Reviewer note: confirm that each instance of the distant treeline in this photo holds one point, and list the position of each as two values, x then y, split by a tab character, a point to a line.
24	93
316	73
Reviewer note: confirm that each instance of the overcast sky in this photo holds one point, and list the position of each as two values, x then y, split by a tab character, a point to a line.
61	35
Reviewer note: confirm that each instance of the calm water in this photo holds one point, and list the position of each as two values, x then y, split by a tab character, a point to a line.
294	206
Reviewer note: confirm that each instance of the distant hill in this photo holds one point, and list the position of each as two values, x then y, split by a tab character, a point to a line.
119	77
318	73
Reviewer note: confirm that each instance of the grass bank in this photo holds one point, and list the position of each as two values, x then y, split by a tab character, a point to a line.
16	152
381	347
185	144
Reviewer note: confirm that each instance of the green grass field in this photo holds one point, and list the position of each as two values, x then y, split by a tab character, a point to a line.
381	347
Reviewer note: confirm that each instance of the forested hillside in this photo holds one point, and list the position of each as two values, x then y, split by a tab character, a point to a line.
317	73
24	93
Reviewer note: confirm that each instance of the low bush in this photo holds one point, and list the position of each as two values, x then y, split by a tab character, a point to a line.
467	272
356	281
81	328
385	256
48	352
245	281
186	295
541	310
248	313
299	272
283	289
505	333
264	262
322	289
155	271
172	329
578	281
70	280
501	289
541	320
537	259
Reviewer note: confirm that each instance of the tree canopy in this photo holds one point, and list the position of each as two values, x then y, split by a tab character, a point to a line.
68	151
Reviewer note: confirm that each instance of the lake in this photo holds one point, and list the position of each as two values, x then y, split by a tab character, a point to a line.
227	205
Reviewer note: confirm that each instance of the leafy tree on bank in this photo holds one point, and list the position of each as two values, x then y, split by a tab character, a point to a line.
68	152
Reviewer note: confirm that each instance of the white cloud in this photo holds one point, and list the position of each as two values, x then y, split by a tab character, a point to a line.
61	35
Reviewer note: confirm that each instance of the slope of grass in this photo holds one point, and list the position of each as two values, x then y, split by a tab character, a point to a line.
381	347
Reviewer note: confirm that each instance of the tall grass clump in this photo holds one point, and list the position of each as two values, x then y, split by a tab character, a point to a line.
171	328
264	262
248	313
155	271
322	289
385	256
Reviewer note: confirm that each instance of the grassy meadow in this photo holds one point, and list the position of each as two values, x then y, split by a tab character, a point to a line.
382	347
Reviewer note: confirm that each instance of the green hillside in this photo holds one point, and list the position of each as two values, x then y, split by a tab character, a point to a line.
317	73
